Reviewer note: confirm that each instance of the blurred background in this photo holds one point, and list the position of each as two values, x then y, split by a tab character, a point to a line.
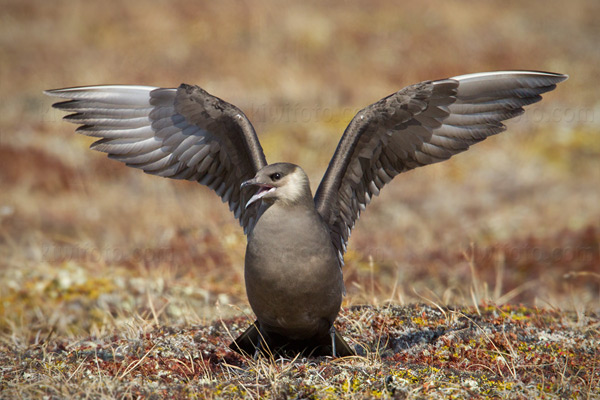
88	245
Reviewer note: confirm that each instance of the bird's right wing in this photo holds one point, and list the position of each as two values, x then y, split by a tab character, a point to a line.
418	125
182	133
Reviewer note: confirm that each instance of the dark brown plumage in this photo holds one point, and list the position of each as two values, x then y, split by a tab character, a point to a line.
296	244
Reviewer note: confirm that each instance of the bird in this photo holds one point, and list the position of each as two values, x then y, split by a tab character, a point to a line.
296	241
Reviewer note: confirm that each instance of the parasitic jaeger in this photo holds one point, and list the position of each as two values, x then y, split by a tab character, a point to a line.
296	242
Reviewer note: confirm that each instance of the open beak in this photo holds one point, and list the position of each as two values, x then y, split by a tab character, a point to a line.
263	189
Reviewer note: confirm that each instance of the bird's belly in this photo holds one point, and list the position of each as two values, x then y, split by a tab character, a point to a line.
294	286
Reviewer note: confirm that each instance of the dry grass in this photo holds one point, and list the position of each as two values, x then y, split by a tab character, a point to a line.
405	352
111	281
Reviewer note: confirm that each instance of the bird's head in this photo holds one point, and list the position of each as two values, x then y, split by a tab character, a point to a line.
283	182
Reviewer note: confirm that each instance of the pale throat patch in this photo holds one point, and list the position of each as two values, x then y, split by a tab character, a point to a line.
295	187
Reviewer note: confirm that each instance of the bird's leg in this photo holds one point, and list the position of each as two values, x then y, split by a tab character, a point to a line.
257	350
332	333
259	345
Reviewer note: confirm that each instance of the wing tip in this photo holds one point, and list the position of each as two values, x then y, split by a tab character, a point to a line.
63	105
557	77
79	91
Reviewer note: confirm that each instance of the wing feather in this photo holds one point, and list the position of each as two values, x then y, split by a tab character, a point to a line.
182	133
421	124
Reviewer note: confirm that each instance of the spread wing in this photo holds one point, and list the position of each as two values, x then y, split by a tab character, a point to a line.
421	124
182	133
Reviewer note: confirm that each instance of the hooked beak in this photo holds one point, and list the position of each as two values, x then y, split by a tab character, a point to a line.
263	189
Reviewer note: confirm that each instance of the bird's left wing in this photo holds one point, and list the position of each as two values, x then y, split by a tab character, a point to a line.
418	125
182	133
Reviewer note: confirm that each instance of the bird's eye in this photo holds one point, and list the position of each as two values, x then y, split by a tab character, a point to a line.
276	176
